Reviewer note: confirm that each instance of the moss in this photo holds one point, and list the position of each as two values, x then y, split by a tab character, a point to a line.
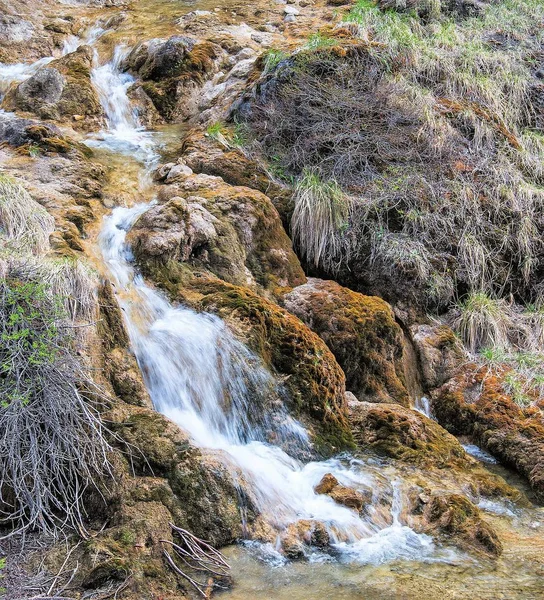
361	332
455	516
475	403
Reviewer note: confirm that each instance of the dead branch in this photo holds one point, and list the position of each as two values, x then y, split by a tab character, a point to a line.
196	555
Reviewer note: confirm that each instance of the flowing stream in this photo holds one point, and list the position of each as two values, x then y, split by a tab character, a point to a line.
209	383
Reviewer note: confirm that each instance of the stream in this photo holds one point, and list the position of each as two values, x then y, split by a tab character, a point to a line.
191	361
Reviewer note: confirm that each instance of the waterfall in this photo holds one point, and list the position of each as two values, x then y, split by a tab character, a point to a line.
18	72
201	377
124	132
209	383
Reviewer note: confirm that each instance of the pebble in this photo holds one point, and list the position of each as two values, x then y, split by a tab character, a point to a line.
291	10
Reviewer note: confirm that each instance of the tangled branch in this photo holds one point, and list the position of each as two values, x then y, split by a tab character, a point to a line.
197	555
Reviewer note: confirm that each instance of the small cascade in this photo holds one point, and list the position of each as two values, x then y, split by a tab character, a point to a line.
423	405
18	72
89	38
124	132
202	378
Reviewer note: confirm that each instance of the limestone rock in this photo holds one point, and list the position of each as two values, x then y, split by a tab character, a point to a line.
234	232
477	403
362	334
456	517
440	353
405	434
61	89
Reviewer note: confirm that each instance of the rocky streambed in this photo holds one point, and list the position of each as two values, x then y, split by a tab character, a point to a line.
248	403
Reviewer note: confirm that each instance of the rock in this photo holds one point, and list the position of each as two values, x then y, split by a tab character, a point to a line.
173	72
405	434
291	10
290	18
348	497
206	155
439	351
457	518
234	232
178	171
301	534
343	495
326	485
362	334
61	89
475	403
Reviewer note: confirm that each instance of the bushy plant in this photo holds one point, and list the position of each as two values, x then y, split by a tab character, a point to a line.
321	212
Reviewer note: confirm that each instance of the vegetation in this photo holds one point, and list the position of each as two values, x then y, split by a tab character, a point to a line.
52	442
427	118
321	211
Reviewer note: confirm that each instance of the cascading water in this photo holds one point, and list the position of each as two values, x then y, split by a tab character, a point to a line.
18	72
202	378
124	132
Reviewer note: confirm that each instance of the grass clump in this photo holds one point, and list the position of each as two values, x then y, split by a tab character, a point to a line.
25	223
321	212
427	119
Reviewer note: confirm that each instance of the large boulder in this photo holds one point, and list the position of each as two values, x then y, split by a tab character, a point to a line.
59	90
476	403
234	232
173	72
405	434
205	154
361	332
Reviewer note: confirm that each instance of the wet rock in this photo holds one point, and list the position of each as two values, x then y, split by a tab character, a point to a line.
440	353
476	403
362	334
460	521
343	495
234	232
14	29
327	484
298	536
119	364
61	89
405	434
348	497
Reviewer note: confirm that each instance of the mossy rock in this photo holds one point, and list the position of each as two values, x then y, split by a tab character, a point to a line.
233	231
459	520
476	403
361	332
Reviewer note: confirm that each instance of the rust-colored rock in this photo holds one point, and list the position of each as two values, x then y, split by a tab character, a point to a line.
361	332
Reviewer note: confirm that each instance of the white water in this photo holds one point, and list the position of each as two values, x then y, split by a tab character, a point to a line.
423	405
124	132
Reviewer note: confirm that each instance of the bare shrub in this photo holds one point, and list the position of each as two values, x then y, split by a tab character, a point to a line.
52	441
